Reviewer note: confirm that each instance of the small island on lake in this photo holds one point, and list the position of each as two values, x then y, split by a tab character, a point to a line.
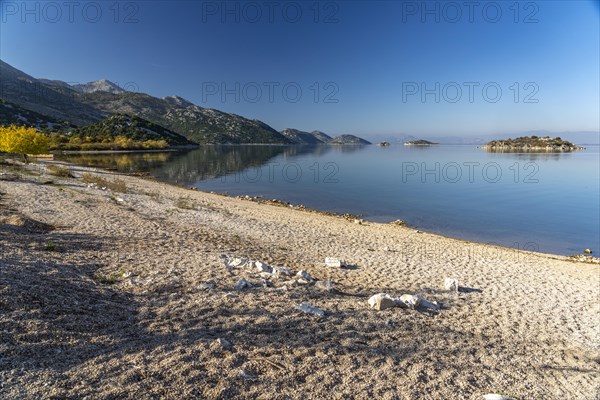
532	144
419	142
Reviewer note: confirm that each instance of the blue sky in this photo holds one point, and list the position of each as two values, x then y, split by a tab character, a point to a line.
361	67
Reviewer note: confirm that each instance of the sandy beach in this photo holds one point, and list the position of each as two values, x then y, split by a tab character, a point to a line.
106	294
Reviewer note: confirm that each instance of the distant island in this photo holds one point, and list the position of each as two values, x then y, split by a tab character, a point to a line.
419	143
348	139
533	144
296	136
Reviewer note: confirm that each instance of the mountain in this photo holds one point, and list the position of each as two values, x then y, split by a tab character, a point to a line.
98	86
90	103
132	127
201	125
318	137
300	137
13	114
323	137
51	99
348	139
419	142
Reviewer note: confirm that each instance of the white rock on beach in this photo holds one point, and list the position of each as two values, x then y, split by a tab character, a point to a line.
308	309
451	284
282	271
382	301
334	262
262	267
409	301
304	275
493	396
265	275
221	344
234	262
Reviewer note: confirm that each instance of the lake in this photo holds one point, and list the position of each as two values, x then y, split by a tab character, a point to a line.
548	202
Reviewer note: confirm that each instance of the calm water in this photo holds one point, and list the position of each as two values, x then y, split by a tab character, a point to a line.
544	202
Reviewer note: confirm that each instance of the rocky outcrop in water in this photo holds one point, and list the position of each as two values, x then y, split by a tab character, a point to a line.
532	143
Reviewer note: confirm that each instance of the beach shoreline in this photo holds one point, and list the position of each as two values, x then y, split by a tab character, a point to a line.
121	279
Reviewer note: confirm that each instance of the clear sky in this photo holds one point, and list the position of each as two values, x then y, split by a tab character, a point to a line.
361	67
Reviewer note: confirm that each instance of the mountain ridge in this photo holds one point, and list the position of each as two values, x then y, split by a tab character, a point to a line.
90	103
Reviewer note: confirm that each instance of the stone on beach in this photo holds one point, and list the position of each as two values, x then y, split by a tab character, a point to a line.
424	303
308	309
494	396
282	271
451	284
334	262
326	286
262	267
409	301
207	286
234	262
221	344
382	301
304	275
242	284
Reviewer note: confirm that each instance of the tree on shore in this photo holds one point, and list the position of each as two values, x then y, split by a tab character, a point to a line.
22	140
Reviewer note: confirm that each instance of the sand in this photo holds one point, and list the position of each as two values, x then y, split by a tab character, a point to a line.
101	296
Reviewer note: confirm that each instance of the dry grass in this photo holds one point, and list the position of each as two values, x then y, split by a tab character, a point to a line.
59	171
185	203
116	185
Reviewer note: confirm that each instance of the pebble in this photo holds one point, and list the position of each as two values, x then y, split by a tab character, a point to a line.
282	271
304	275
308	309
221	343
334	262
207	286
451	284
493	396
262	267
382	301
242	284
326	286
409	301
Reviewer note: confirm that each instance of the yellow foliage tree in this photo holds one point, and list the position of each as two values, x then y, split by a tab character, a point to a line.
22	140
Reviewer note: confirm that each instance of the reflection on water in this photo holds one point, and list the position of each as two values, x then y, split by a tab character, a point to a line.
123	162
530	156
206	162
